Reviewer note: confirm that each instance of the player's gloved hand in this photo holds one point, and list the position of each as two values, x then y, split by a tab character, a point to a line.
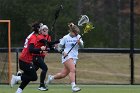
43	48
64	54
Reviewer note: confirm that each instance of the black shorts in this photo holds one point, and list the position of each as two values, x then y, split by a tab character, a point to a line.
38	62
29	72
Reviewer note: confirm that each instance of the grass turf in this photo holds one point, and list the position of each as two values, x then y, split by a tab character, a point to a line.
67	89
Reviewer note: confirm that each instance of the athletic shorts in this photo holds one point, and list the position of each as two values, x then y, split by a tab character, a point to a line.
68	57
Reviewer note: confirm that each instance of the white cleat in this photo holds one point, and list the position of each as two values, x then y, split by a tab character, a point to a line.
19	73
76	89
19	90
13	80
42	88
50	78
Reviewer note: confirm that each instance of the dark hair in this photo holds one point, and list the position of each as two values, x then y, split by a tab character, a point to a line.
35	27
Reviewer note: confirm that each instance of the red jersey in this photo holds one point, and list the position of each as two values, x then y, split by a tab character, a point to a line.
25	55
39	44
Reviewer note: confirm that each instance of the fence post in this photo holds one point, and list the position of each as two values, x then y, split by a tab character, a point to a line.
132	40
17	51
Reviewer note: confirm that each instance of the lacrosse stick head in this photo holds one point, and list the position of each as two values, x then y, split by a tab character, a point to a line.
84	19
89	26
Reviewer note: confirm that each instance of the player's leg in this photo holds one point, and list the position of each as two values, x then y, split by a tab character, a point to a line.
70	64
29	74
41	64
22	86
25	80
35	62
64	72
14	80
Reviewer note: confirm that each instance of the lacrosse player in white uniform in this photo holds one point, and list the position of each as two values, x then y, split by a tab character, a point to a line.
69	59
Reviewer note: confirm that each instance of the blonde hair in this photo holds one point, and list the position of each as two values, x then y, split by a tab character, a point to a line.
73	28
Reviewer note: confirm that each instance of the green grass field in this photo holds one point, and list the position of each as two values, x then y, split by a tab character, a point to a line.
67	89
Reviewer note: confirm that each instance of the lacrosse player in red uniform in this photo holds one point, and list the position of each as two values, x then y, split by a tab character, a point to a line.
43	39
38	59
25	60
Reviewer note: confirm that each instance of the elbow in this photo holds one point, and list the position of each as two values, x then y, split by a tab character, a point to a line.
30	50
81	45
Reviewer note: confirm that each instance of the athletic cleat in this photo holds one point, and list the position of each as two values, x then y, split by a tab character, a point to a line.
43	88
76	89
13	80
19	73
50	78
19	90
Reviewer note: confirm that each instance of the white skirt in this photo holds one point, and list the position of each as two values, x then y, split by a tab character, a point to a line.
68	57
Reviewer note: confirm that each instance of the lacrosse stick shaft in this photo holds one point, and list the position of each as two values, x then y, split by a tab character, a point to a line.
56	16
72	48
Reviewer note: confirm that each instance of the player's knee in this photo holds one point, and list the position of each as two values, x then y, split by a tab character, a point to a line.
45	69
34	78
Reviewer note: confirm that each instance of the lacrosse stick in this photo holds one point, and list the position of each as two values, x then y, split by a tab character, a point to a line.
89	26
52	31
84	19
56	16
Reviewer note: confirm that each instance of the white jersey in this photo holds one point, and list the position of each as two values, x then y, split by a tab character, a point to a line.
68	43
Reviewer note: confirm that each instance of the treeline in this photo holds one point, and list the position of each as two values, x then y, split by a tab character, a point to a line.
111	21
